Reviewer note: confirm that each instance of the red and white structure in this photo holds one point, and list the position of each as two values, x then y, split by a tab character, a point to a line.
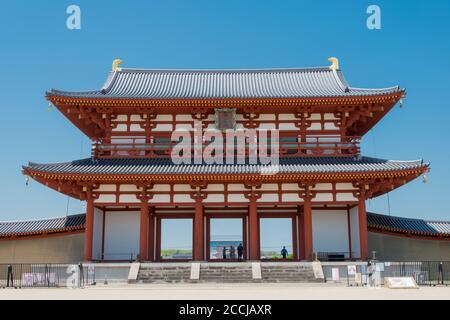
130	183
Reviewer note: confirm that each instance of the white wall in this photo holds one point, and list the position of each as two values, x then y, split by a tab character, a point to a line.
354	228
121	234
330	230
98	234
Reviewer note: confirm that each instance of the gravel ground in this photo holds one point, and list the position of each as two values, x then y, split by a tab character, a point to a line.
226	291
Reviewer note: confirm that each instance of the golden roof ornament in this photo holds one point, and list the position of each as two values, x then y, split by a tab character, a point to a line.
335	63
115	64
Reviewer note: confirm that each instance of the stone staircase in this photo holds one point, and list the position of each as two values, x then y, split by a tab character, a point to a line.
288	272
228	272
164	273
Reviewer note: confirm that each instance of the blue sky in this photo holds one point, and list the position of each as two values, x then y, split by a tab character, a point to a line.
38	52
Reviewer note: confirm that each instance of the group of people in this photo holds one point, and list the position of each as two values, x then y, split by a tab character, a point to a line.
240	252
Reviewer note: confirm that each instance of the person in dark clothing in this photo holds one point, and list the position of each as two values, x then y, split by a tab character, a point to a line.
284	252
10	276
240	250
232	252
224	252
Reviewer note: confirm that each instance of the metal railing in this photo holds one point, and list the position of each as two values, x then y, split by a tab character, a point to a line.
35	275
335	256
424	272
290	145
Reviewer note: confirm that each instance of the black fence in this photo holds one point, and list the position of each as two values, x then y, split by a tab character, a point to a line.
424	272
39	275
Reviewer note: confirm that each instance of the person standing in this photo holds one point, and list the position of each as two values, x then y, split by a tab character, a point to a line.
232	252
224	252
284	252
240	251
10	276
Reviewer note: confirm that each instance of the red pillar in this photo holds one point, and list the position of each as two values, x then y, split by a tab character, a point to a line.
89	229
151	238
253	225
198	231
307	229
363	242
143	236
301	235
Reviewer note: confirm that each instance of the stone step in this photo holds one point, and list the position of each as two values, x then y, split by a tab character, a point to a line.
226	273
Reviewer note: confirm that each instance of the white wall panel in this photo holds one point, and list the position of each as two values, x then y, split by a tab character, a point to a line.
108	198
290	197
98	234
345	197
183	198
330	230
354	231
121	234
125	198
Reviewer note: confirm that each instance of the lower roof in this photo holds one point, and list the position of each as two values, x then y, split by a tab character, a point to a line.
148	166
408	225
375	222
42	226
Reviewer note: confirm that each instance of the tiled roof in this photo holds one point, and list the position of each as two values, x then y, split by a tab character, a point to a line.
39	226
286	166
408	225
204	84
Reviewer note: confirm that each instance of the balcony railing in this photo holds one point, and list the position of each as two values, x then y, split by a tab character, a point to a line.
288	146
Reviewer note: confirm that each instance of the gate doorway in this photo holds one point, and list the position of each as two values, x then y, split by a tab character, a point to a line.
226	238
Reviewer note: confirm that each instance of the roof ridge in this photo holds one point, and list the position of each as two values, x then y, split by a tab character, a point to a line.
243	70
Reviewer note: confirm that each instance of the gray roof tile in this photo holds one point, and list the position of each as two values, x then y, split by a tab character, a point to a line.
204	84
28	227
418	226
166	166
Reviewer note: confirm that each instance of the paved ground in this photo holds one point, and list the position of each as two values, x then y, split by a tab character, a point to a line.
227	291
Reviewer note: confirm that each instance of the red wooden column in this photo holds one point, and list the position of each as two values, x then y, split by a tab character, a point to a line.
307	228
301	234
199	230
151	235
363	242
253	229
89	229
143	235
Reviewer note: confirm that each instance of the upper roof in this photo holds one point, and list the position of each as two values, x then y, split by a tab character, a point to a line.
166	166
225	84
39	226
408	225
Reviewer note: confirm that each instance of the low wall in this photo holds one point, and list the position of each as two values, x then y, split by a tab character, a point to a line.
66	248
394	248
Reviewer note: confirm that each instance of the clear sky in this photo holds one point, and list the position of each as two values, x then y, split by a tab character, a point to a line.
38	52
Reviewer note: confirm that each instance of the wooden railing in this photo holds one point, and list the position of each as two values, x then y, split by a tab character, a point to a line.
289	146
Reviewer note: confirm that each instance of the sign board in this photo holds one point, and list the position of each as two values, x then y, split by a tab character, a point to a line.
335	274
358	279
91	270
400	283
351	270
379	267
